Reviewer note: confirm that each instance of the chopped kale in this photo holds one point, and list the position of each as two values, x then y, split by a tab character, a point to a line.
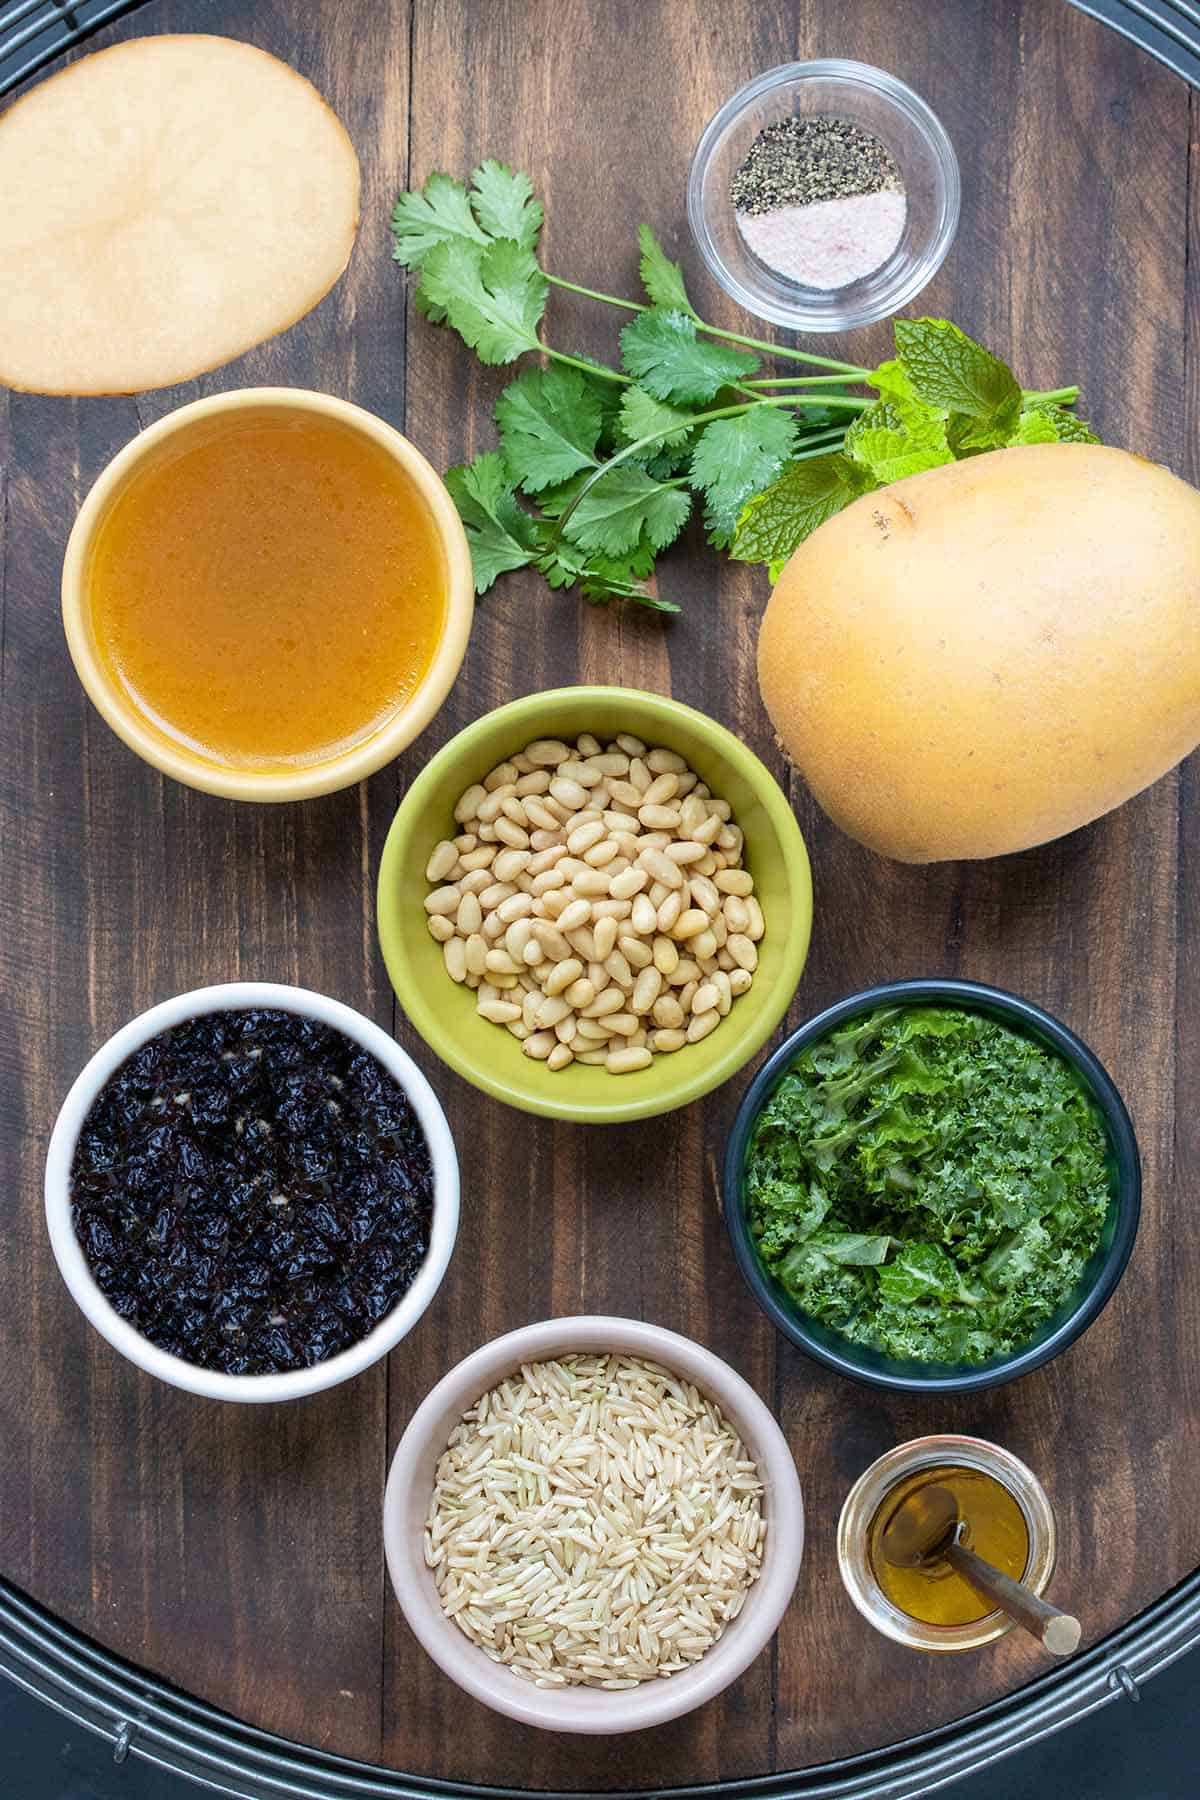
928	1182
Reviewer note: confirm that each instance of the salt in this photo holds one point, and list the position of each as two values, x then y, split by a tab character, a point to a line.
828	243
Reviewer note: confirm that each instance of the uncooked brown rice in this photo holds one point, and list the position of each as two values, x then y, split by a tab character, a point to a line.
594	1520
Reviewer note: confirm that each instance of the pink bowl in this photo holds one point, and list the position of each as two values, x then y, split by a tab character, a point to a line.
584	1709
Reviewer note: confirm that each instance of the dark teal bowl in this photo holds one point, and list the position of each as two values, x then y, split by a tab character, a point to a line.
1100	1277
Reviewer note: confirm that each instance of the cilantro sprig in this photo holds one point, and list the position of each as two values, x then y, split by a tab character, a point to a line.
600	467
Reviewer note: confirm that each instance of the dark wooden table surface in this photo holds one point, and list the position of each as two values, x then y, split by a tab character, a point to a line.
237	1551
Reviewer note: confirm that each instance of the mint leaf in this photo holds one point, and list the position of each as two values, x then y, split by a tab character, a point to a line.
947	368
550	422
735	459
643	416
504	204
892	382
882	442
662	350
622	505
1045	423
776	522
662	278
501	534
493	296
439	213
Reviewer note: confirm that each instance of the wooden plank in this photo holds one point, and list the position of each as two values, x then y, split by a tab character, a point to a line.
233	1550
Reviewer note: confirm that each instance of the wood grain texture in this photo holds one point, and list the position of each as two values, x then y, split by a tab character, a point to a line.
239	1554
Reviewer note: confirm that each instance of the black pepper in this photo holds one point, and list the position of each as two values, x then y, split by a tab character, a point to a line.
797	161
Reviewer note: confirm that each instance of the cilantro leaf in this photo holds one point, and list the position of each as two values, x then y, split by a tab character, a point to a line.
735	459
643	416
504	204
602	579
662	350
439	213
947	368
662	278
1045	423
776	522
550	422
622	505
493	296
889	447
501	534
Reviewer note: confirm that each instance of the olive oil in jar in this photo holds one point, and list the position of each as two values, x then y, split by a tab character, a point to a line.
994	1526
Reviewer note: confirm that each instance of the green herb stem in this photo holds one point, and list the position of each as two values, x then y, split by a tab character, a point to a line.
1064	396
846	371
783	381
581	362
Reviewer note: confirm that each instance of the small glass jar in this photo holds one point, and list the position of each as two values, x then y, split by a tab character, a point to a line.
868	1495
900	119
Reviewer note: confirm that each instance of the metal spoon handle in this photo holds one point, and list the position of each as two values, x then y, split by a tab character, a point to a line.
1058	1631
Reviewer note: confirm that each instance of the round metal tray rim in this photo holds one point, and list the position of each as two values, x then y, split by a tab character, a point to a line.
143	1717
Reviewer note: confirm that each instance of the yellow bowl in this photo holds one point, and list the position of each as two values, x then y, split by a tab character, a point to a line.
489	1056
148	449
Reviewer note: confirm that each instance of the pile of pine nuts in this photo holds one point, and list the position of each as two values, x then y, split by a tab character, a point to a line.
595	900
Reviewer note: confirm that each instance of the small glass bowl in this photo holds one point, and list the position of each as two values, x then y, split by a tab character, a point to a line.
872	1488
877	102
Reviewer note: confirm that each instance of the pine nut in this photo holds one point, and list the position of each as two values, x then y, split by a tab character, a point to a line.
569	793
499	1012
441	861
511	863
661	867
665	1041
469	916
635	951
605	938
644	917
469	804
563	974
443	900
667	1012
689	924
559	1057
514	835
476	953
661	789
547	753
646	990
624	1062
705	998
701	1025
454	955
539	1045
593	883
666	956
742	950
441	927
627	884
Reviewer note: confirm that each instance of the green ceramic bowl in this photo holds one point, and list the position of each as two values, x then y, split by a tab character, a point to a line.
488	1056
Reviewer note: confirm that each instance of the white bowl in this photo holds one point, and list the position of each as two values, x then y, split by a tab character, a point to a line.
72	1263
584	1709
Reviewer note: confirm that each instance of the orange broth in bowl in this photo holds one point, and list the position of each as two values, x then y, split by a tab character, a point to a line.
270	592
